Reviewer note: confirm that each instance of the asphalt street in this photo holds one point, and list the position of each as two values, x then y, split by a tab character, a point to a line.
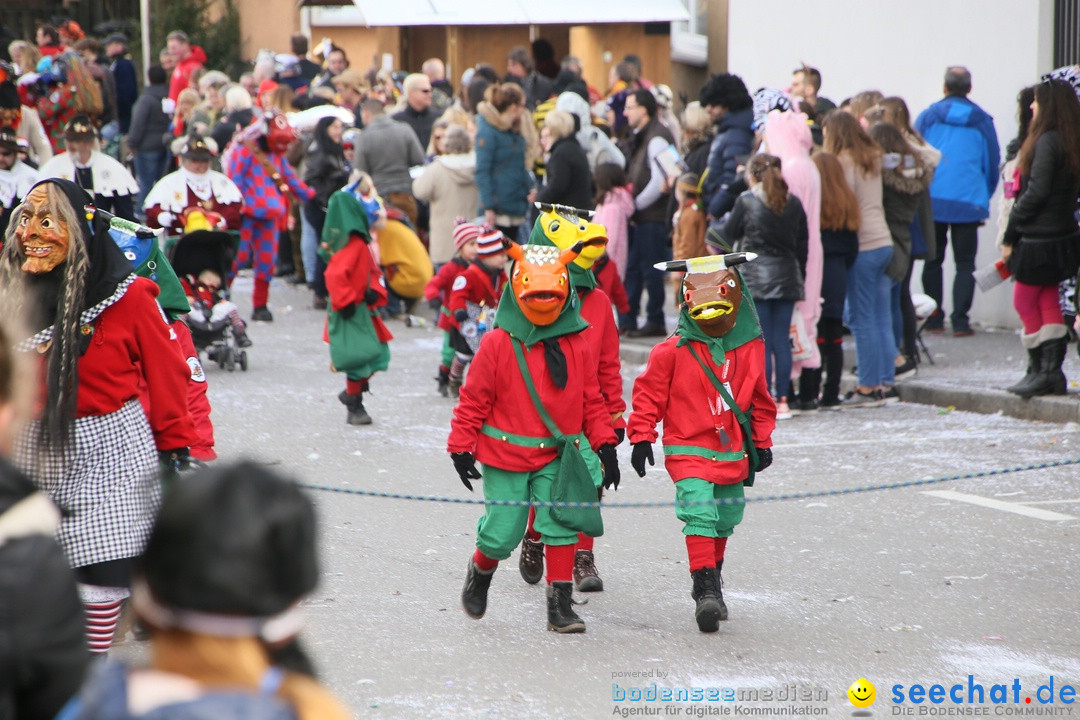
925	584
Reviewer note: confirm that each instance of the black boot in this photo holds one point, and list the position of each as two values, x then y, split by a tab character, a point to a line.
706	593
444	382
474	594
561	615
355	405
1049	380
1032	372
720	589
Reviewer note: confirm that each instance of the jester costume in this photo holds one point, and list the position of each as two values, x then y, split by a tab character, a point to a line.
707	385
531	402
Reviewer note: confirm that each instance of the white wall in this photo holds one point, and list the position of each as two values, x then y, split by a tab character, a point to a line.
903	49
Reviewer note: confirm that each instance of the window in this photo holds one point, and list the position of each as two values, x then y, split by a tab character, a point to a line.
689	41
1066	32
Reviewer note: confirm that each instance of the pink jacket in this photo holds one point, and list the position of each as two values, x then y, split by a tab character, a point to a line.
614	214
787	136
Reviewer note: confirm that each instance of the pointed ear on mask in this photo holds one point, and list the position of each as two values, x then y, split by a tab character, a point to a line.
513	250
567	256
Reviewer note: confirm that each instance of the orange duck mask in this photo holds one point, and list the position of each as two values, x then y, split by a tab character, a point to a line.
539	279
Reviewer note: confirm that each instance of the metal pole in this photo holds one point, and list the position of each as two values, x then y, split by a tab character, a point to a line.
144	16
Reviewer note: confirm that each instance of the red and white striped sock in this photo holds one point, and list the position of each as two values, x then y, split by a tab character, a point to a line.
101	620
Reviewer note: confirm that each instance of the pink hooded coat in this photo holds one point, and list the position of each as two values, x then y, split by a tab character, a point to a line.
787	136
614	214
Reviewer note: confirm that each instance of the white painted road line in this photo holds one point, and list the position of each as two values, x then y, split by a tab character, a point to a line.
999	505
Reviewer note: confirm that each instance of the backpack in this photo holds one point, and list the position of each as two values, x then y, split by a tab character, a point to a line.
86	93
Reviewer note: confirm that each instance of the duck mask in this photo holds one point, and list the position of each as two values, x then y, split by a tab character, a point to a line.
565	226
279	133
539	279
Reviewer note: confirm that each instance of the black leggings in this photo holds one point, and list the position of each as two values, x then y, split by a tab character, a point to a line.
830	339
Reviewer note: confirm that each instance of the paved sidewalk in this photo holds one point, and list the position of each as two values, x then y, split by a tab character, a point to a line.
969	373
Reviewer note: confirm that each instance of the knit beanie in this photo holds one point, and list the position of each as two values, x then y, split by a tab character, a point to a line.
464	232
490	242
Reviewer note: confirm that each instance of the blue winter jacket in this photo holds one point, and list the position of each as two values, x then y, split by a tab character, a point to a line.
966	179
501	177
733	140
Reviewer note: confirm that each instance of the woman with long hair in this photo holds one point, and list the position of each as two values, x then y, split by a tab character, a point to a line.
869	288
325	172
506	147
1042	242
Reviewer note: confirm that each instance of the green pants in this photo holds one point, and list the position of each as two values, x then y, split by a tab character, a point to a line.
710	520
447	350
500	528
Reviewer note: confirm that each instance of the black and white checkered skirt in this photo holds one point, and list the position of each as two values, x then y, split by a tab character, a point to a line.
107	487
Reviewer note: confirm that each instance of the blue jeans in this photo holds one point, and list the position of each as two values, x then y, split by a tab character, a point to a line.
647	245
775	318
149	168
965	242
869	306
309	246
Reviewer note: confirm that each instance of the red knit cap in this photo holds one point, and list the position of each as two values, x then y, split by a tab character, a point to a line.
464	232
489	242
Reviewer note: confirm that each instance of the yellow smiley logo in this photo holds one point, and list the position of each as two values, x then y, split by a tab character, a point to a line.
862	693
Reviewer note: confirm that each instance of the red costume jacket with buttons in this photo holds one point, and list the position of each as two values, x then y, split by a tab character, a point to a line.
229	211
603	337
495	396
674	389
439	287
132	345
475	286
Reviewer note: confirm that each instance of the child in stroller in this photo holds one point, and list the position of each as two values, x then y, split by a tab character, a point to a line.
202	260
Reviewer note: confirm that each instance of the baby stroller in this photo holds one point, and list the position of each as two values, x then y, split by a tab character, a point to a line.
192	256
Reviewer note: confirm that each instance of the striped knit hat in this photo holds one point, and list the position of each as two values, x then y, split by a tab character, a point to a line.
464	232
490	242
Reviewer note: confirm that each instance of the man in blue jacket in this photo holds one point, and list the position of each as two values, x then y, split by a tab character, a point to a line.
963	184
730	106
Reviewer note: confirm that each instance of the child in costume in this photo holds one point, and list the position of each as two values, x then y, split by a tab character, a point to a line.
608	280
473	296
707	384
563	227
536	357
209	305
437	293
357	336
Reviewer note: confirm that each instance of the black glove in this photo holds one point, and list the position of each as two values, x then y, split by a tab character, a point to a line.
370	297
642	452
620	435
348	311
466	468
178	459
610	462
764	459
461	315
435	303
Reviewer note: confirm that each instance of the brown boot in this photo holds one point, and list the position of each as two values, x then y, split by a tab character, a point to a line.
531	560
586	579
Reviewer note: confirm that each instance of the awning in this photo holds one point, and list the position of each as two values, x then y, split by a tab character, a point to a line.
404	13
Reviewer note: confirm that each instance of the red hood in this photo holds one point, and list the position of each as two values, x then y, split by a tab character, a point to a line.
197	57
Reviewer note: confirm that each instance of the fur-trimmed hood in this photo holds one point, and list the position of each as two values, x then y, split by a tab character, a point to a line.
499	120
504	122
909	181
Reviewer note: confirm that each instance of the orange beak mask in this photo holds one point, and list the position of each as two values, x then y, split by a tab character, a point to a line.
539	280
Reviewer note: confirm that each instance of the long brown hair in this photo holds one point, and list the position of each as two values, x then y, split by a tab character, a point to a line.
1059	109
765	169
844	134
839	207
898	115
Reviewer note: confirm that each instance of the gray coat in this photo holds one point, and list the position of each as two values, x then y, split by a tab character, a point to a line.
149	121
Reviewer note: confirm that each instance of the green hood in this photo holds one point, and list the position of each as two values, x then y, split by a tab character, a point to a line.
580	278
344	216
746	328
509	317
171	295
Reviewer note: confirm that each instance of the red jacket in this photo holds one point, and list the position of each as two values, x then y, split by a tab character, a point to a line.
181	74
349	274
474	285
132	346
495	400
603	338
674	389
607	277
229	211
439	287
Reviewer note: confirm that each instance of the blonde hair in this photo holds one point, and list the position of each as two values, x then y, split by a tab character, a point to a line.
16	371
28	54
695	119
559	123
237	98
187	95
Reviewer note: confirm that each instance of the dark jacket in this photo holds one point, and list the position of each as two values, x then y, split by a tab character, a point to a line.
639	169
780	241
1042	226
149	121
43	653
223	132
127	90
326	173
567	179
420	122
900	197
537	88
733	142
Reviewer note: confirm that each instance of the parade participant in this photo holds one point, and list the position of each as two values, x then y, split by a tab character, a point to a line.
535	357
230	558
104	178
357	336
102	336
477	290
437	293
698	383
193	186
563	227
16	177
268	185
